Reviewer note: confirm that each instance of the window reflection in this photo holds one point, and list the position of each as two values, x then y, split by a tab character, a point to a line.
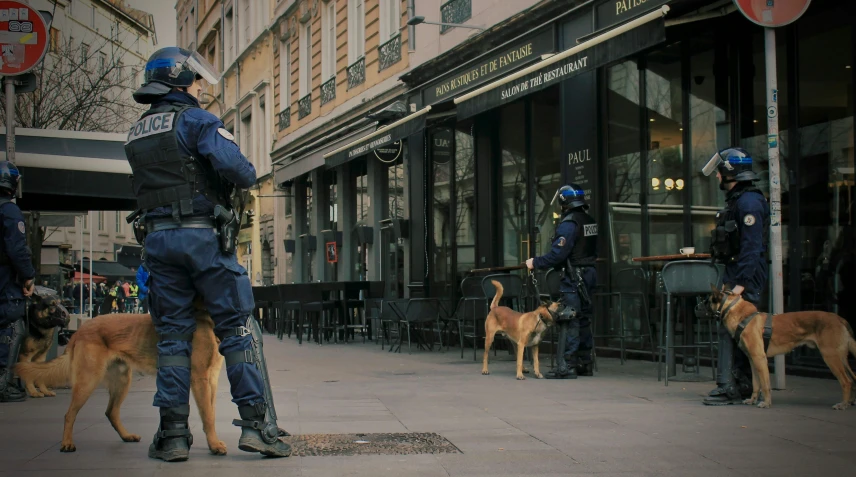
515	236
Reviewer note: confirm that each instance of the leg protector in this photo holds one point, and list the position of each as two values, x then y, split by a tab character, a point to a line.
173	439
562	371
9	390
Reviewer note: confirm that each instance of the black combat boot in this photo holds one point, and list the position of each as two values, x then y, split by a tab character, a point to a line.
258	435
173	440
8	391
585	370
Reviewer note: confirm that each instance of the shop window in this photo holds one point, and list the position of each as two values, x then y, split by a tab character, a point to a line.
465	214
395	175
667	184
623	166
710	125
332	201
513	177
546	147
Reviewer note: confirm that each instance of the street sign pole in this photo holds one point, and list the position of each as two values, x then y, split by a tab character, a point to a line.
10	119
775	192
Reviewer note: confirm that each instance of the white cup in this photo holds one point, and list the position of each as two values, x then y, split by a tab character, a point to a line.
687	250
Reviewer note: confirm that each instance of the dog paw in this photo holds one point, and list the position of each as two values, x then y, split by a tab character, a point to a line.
49	393
485	373
521	377
764	405
218	448
131	438
539	376
67	448
36	395
749	401
840	406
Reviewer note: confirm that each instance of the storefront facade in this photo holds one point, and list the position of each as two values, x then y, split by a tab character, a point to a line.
633	124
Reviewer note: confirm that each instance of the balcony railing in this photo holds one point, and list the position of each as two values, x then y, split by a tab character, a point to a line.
389	53
304	106
328	91
455	11
285	118
357	73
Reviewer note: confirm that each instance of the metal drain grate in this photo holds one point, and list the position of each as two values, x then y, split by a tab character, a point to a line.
370	444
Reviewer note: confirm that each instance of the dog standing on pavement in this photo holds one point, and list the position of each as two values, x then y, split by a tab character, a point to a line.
44	314
106	349
826	332
523	329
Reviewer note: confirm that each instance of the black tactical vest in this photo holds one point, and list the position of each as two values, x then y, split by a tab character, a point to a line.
162	175
585	242
725	237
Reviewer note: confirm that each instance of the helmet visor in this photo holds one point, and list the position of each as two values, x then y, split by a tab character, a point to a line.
200	66
711	165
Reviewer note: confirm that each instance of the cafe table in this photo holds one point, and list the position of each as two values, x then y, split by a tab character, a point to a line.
671	366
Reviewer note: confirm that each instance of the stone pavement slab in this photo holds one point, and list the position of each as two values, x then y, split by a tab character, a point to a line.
620	422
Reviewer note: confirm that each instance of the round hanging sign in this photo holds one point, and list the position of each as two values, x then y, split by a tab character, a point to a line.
389	153
772	13
23	38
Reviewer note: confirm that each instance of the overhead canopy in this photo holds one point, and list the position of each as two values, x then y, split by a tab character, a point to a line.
72	170
382	137
85	277
315	158
108	270
600	50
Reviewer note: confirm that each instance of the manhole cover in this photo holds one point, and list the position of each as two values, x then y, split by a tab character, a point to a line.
370	444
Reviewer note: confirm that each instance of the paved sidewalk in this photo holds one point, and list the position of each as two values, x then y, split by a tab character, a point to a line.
620	422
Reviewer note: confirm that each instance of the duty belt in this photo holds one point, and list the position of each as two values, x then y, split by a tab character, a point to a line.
167	223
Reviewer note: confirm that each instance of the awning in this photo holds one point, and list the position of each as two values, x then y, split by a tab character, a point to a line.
72	170
85	278
315	158
382	137
627	39
107	269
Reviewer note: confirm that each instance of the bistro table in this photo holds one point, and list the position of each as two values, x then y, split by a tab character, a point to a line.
671	366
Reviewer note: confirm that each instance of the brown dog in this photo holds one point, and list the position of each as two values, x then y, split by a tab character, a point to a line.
44	314
523	329
107	349
825	331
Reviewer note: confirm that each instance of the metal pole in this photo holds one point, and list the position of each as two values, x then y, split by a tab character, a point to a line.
10	119
775	192
90	267
80	311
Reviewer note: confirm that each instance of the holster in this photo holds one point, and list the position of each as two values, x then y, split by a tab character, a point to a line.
576	274
138	220
227	229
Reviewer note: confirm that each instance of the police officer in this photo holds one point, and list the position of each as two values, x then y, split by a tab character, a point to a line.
184	164
16	282
739	241
574	253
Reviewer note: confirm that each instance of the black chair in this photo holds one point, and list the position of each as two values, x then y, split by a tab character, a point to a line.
318	310
471	307
688	278
419	312
628	283
392	312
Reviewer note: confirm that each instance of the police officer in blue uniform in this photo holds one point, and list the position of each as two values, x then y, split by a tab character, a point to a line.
739	241
16	282
573	253
185	166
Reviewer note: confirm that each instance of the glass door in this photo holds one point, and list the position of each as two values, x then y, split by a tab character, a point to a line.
513	176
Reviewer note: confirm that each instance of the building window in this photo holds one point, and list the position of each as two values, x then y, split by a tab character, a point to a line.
84	54
118	224
264	147
356	30
455	11
92	17
55	40
229	38
328	42
390	19
246	21
305	58
100	220
102	62
284	75
247	136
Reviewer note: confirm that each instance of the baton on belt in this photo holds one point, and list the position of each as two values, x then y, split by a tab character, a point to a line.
522	266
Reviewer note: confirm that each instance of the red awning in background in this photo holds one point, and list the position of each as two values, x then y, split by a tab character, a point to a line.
95	278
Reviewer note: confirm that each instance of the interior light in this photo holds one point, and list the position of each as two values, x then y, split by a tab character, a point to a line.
847	67
670	184
655	183
680	129
679	184
652	120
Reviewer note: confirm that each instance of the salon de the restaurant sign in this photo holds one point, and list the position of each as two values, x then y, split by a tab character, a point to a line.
492	66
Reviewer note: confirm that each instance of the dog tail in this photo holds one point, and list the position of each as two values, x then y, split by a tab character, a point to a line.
498	295
54	373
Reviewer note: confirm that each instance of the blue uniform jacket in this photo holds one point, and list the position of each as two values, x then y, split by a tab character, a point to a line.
198	135
750	268
14	246
566	233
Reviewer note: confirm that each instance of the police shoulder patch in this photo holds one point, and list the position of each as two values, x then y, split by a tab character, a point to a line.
21	227
223	132
749	220
561	241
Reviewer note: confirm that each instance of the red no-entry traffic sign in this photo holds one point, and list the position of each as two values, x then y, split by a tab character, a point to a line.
23	38
772	13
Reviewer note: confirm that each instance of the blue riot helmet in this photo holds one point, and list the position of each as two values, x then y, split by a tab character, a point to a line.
9	177
173	67
570	196
734	165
